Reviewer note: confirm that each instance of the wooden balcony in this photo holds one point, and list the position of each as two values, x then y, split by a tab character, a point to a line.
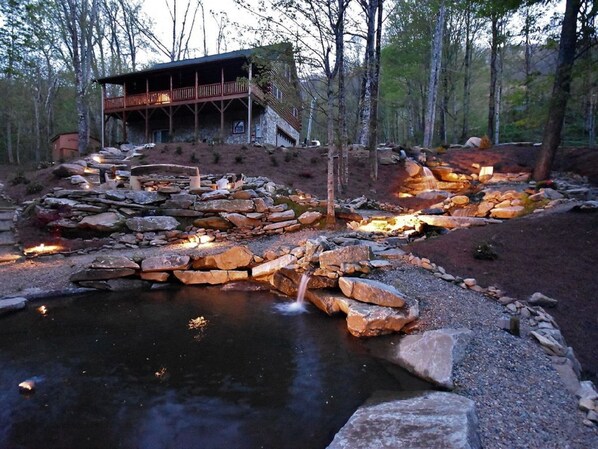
183	95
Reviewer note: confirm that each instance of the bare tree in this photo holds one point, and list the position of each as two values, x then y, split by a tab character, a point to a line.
77	18
435	67
560	92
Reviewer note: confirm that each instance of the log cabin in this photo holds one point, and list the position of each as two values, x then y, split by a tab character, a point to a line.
242	96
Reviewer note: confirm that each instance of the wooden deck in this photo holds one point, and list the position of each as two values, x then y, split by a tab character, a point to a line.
183	95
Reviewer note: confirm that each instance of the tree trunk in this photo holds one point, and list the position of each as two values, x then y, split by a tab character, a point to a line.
435	67
493	77
467	74
343	173
366	84
560	92
375	92
330	218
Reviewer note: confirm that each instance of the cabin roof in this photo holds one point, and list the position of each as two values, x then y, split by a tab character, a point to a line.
187	63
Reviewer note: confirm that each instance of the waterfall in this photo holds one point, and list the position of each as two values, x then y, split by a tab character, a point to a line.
428	180
297	306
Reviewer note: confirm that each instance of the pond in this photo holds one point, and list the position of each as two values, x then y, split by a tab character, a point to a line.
181	368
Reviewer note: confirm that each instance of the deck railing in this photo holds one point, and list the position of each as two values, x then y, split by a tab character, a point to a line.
182	94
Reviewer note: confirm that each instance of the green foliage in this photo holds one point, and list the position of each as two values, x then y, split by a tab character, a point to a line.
485	251
34	187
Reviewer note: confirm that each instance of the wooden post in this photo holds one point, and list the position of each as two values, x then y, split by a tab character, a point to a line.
103	94
170	111
249	105
196	123
147	110
222	105
125	126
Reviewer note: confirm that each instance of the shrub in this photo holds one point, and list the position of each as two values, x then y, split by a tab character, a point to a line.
238	159
306	175
194	158
215	157
34	187
273	161
314	160
19	178
485	251
179	150
288	156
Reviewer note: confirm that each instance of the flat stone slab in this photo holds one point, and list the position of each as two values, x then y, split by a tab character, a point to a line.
212	277
114	262
167	262
353	253
370	291
155	223
11	304
5	225
101	274
9	254
444	221
270	267
417	420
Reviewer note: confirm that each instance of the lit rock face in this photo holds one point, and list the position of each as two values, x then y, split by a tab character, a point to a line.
231	259
158	223
507	212
114	262
309	217
430	356
212	277
336	257
418	420
66	170
272	266
167	262
370	291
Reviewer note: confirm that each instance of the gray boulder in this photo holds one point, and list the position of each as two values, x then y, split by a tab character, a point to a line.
105	222
430	356
418	420
8	305
166	262
370	291
354	253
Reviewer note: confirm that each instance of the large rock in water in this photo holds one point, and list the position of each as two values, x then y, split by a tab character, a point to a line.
212	277
231	259
156	223
106	222
418	420
430	356
114	262
370	291
364	320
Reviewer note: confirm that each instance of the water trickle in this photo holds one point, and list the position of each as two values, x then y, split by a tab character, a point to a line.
297	306
428	180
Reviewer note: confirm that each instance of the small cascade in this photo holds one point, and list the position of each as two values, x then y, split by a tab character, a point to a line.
297	306
428	180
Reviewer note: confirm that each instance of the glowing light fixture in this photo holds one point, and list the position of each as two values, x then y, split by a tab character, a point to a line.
42	248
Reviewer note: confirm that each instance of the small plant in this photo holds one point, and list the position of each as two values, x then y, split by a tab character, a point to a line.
166	149
238	159
314	160
485	251
273	161
194	159
179	150
306	175
34	187
287	157
19	178
215	157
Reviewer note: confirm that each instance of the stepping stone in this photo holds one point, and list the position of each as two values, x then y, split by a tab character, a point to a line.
7	238
5	225
6	214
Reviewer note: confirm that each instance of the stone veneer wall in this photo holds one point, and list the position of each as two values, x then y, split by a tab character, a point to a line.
209	128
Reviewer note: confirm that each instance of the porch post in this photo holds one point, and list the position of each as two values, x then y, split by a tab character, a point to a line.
170	112
146	110
222	105
249	104
124	126
103	94
196	123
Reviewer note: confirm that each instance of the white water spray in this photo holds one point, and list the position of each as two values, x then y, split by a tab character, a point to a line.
297	306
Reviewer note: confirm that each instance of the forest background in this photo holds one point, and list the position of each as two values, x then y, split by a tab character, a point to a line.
448	69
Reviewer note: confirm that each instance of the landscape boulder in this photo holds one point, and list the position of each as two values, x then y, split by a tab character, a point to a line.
105	222
353	253
414	420
66	170
231	259
153	223
371	291
167	262
8	305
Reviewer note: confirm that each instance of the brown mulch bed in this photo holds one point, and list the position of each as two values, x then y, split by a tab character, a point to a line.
552	253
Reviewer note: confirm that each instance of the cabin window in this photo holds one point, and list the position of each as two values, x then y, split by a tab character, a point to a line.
238	126
276	92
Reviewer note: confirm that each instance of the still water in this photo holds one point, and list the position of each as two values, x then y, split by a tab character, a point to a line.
132	370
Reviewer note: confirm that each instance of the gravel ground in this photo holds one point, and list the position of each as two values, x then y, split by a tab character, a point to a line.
521	401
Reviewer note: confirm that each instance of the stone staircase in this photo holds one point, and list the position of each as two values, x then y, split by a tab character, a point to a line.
9	249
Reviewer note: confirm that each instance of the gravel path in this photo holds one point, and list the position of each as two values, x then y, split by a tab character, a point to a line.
521	401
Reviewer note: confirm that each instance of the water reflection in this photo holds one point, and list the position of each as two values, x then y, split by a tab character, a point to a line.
125	371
